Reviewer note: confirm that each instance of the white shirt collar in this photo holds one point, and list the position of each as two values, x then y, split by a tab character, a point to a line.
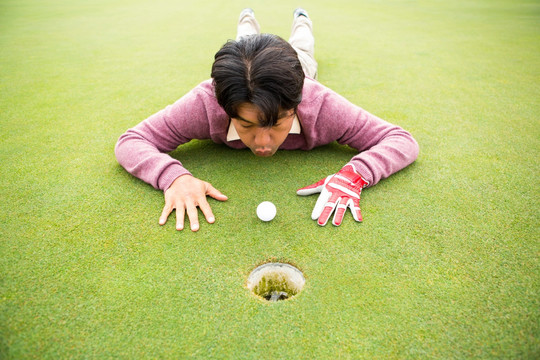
232	134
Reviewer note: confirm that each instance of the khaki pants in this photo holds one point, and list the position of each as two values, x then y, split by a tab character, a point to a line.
301	39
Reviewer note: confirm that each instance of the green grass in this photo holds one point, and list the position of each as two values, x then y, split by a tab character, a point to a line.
445	264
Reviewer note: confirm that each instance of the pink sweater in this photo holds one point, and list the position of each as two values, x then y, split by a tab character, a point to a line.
324	116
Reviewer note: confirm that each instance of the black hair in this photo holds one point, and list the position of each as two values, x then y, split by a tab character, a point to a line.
261	69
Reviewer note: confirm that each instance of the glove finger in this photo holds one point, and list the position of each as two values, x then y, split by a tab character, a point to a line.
328	209
340	211
312	189
319	205
354	205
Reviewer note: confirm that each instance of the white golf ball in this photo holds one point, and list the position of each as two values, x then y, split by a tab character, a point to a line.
266	211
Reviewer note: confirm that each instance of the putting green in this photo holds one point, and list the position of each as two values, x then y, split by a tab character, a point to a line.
445	264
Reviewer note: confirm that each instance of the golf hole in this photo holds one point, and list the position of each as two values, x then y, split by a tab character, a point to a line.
276	281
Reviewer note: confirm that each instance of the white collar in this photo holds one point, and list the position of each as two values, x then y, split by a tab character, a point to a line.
232	134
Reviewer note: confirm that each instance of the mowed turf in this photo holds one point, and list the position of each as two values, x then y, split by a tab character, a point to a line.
445	264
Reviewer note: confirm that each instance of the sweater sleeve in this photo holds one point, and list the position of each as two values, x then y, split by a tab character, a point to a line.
383	148
142	150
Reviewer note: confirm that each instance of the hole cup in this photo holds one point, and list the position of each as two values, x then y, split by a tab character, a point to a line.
276	281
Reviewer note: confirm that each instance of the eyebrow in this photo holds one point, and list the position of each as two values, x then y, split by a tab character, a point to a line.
242	119
281	115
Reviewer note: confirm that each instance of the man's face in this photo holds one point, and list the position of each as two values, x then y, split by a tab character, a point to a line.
262	141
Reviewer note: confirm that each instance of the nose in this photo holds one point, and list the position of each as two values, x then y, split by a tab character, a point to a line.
263	138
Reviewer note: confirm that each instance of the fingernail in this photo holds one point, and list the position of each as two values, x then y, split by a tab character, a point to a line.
211	219
195	227
179	228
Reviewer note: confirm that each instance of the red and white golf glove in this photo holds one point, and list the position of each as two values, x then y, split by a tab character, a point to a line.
338	192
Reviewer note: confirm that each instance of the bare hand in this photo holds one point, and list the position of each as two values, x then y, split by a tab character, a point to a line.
186	194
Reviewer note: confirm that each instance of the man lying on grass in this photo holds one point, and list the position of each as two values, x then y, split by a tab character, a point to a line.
263	95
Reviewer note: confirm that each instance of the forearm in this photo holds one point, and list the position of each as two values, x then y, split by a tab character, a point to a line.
384	148
394	151
143	160
143	150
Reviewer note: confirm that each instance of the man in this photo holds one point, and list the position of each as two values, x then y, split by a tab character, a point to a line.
263	96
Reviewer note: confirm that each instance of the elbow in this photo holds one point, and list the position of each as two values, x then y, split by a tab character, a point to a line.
121	149
408	149
414	149
118	149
